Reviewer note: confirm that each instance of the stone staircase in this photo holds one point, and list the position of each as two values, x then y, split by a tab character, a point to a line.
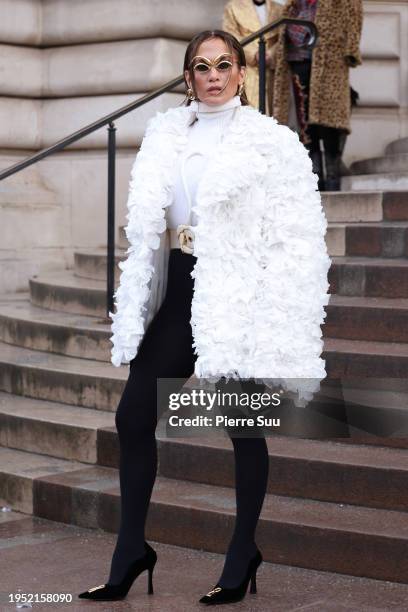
389	172
335	505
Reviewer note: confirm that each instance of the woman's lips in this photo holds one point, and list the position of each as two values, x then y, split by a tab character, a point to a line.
214	89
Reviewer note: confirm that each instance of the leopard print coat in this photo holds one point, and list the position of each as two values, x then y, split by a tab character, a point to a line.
339	24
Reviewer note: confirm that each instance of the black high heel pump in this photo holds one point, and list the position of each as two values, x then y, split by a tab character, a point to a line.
110	592
220	595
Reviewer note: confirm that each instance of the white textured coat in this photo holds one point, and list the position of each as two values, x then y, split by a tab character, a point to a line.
260	280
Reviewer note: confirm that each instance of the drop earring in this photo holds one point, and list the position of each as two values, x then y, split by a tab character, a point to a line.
241	89
190	94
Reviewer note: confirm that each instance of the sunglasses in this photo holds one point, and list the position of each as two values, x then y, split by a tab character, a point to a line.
222	63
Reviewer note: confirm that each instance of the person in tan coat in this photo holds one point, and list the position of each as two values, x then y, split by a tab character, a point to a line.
320	82
242	18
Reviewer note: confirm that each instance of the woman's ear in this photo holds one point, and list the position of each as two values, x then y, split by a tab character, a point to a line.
242	73
187	77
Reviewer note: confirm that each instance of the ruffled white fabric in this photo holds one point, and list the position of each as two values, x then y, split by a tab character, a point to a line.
204	136
261	272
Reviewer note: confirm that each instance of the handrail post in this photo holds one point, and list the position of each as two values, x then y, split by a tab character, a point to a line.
110	269
262	73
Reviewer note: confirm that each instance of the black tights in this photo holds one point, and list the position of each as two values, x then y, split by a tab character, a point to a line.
166	351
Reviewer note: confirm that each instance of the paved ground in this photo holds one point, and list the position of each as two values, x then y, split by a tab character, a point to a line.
39	556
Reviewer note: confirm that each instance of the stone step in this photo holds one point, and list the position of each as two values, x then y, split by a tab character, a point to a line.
51	428
397	147
369	276
69	293
314	469
29	326
356	276
386	181
384	238
352	207
365	206
69	380
98	385
19	471
360	358
376	239
342	538
366	410
367	318
348	409
92	263
317	469
397	163
22	324
349	206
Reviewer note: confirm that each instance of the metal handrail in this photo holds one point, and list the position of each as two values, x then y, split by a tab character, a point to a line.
109	119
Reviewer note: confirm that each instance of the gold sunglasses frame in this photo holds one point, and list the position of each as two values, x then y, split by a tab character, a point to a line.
212	63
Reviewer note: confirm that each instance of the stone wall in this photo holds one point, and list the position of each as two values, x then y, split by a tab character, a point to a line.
382	80
64	64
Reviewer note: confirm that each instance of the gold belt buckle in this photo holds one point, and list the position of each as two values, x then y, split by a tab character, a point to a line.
186	238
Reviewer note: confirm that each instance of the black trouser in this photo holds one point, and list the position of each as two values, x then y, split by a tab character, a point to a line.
311	134
166	351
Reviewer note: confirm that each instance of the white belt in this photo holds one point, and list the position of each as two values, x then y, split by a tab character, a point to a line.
182	238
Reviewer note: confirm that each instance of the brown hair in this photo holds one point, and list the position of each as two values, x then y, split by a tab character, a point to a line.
231	42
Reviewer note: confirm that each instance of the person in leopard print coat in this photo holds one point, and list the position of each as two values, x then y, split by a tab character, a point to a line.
320	83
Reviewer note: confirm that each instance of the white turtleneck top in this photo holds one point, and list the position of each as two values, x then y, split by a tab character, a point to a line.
203	136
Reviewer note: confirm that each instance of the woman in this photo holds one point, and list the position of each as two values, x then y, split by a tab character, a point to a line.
244	290
244	17
320	79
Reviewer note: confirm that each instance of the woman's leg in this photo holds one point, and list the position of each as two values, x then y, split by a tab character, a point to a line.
166	351
332	154
251	478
